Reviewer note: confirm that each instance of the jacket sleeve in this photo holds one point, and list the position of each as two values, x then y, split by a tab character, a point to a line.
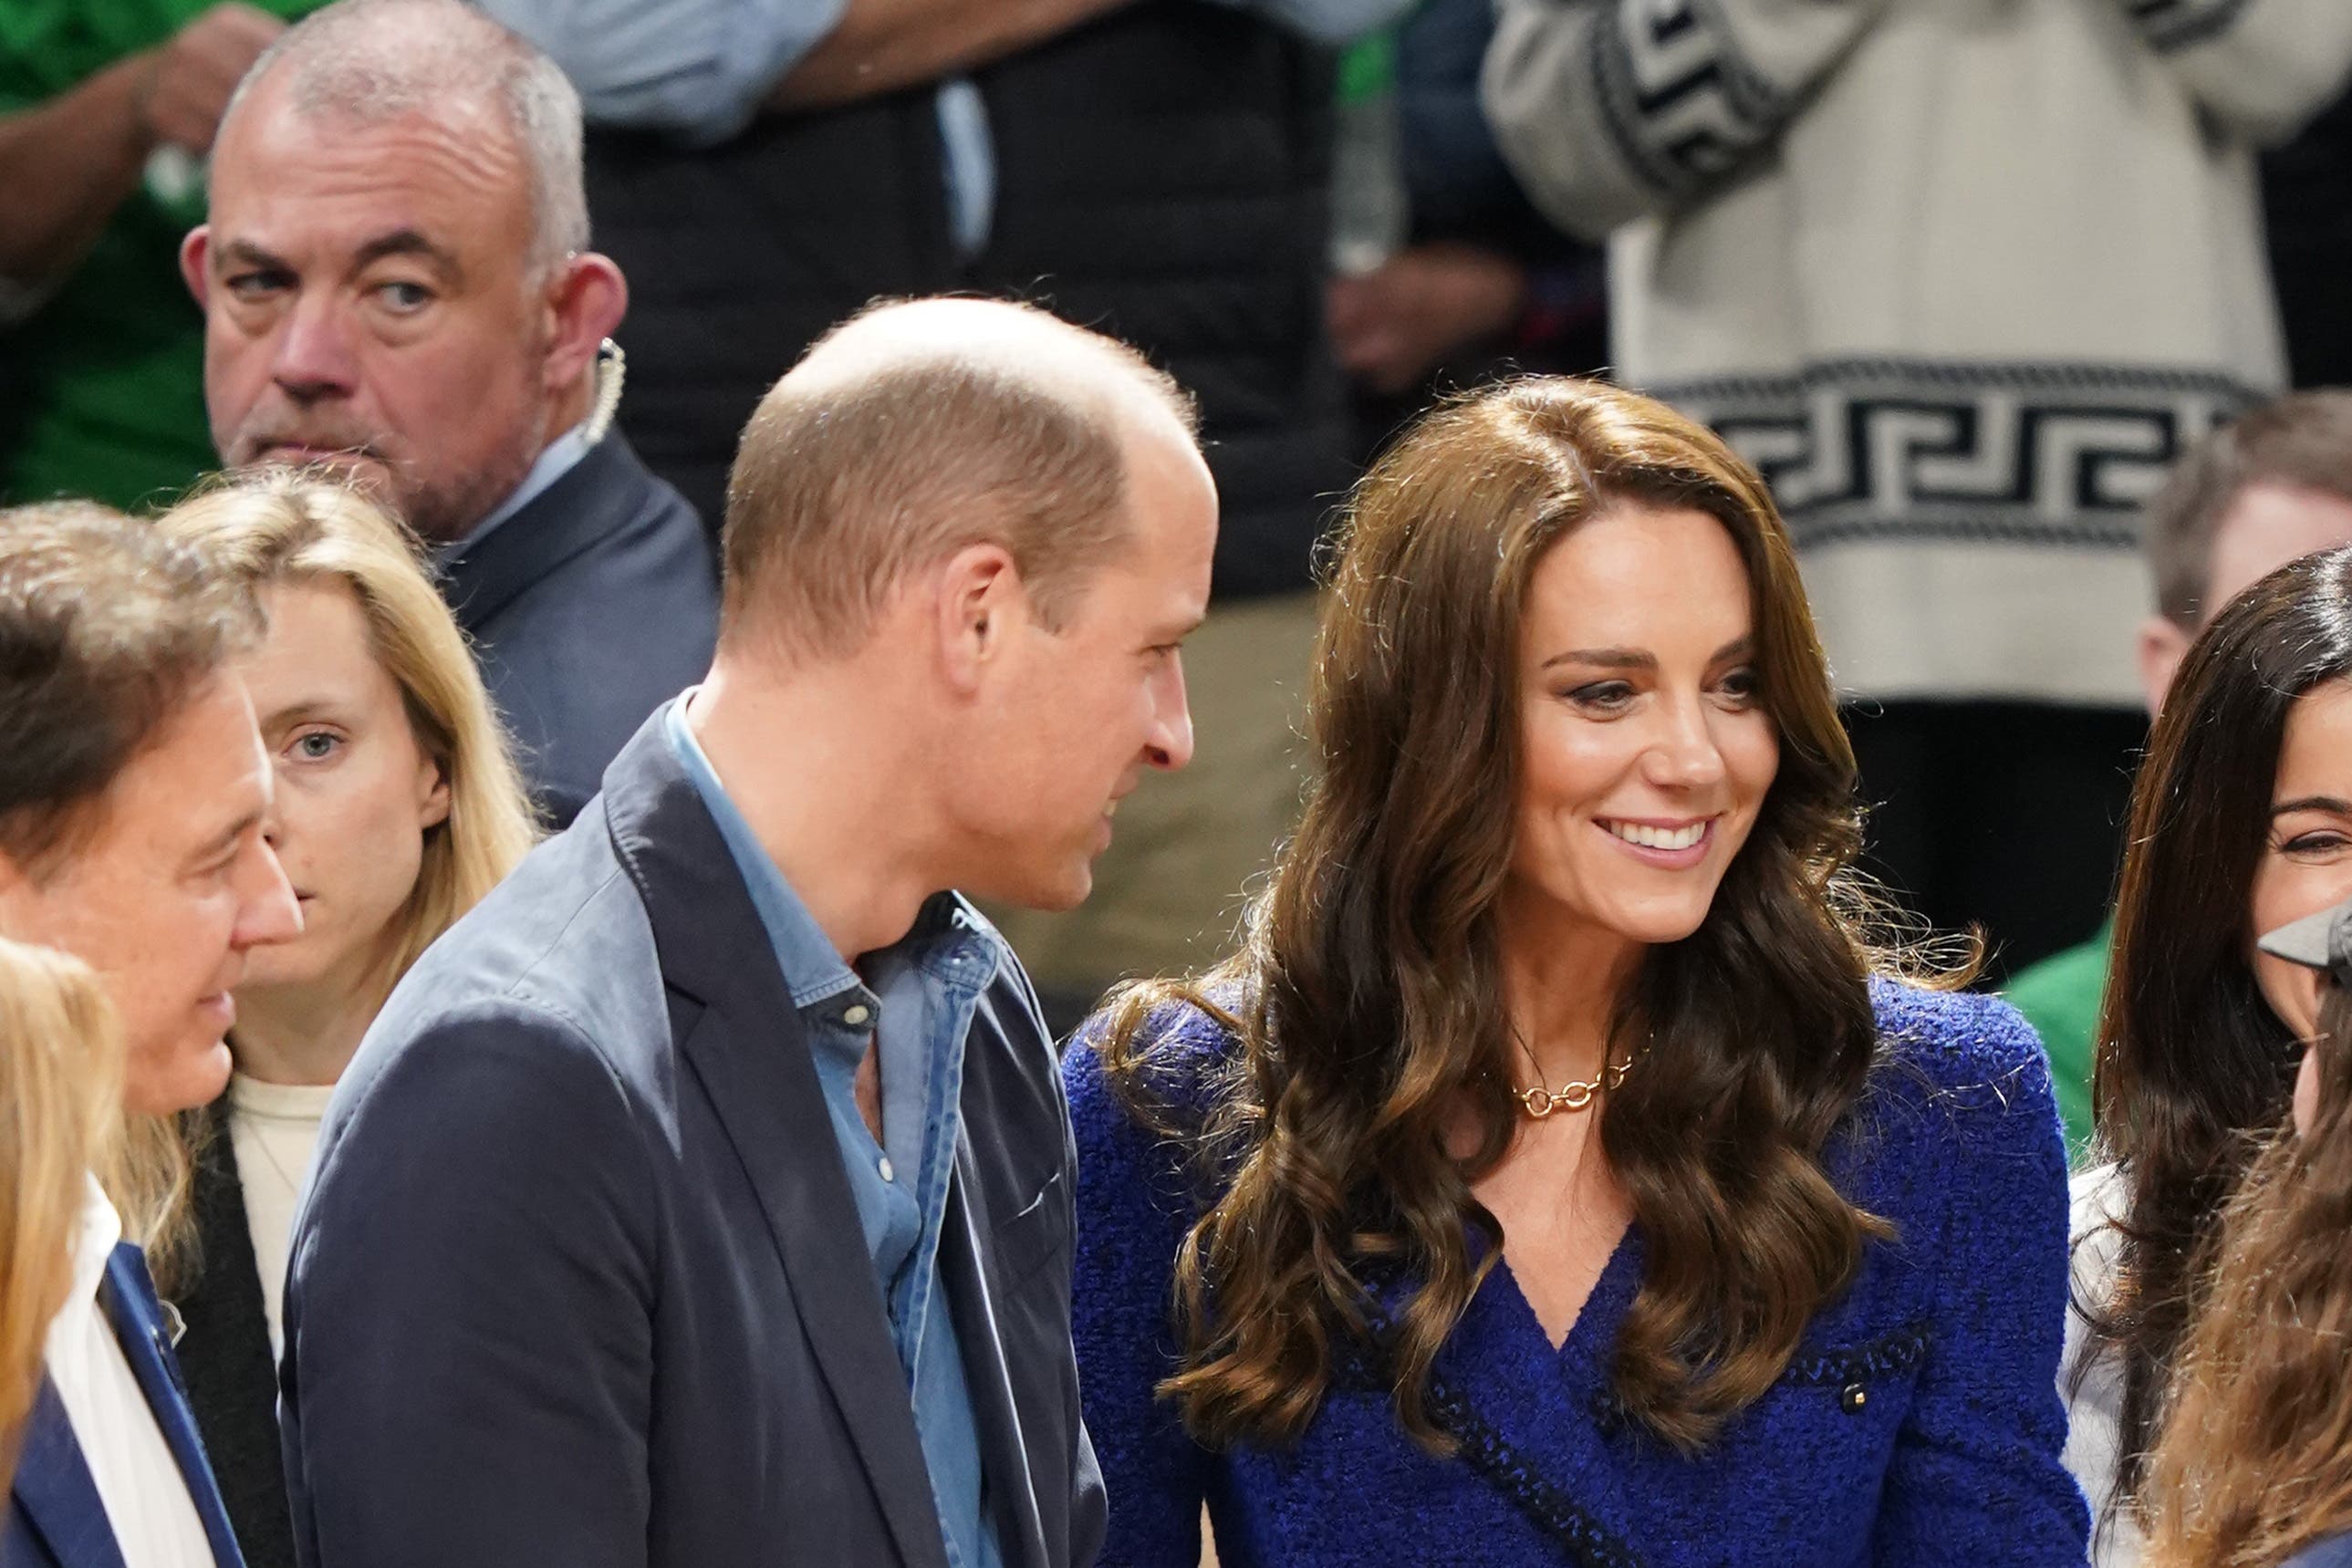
1976	1475
1131	1217
2260	68
1609	111
468	1364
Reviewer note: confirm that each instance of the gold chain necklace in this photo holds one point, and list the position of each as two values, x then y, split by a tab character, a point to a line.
1542	1100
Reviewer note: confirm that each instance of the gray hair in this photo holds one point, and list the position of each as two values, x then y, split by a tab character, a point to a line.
373	60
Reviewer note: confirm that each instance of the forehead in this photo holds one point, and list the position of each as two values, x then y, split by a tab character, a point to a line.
1640	577
2268	526
202	776
316	186
2316	757
318	646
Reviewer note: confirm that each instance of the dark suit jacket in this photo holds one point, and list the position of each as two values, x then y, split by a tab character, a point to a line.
591	607
579	1280
55	1519
225	1357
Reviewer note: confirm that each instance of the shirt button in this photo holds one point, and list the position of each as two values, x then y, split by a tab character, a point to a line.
1853	1396
855	1014
888	1172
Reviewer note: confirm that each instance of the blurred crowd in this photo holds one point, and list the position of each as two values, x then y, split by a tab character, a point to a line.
419	361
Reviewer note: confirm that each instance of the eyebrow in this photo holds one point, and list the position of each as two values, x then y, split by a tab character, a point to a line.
2335	803
298	711
1642	658
222	842
245	253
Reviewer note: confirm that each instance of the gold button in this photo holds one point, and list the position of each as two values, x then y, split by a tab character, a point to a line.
1854	1398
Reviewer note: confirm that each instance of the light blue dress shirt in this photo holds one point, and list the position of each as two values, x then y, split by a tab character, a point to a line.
700	69
916	1003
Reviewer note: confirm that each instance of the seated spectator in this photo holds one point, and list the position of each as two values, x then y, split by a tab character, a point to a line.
2246	500
60	1105
2255	1463
106	108
397	809
397	280
134	796
1963	281
2239	824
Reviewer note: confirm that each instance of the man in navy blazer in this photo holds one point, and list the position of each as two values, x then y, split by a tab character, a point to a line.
703	1199
133	797
396	281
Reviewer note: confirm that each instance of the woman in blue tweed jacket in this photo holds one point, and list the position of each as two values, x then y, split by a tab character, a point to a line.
1555	1175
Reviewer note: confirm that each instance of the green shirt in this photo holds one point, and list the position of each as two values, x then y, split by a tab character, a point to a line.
103	390
2060	997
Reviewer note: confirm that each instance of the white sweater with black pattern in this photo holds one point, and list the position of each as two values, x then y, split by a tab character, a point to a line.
1962	277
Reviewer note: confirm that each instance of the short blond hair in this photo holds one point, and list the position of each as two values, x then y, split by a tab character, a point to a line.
279	526
61	1064
842	486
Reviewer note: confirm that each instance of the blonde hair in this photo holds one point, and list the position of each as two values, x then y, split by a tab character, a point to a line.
60	1094
278	527
2254	1460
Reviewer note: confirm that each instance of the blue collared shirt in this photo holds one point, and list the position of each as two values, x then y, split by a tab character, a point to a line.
701	69
916	1003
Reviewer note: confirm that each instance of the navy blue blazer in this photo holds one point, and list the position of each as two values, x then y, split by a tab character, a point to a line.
55	1517
589	608
579	1280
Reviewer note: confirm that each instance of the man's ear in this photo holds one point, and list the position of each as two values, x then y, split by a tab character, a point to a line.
2162	645
978	602
195	252
587	303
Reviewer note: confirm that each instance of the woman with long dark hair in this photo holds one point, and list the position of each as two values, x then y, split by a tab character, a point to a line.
2241	821
1556	1168
2254	1465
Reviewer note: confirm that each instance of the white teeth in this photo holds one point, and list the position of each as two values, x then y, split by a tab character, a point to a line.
1658	837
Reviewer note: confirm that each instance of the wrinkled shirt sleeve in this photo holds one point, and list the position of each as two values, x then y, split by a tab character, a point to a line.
697	69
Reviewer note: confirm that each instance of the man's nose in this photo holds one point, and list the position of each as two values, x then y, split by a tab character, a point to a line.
313	358
1169	743
265	909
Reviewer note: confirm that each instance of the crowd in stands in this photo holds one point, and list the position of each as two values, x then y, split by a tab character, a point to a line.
1147	781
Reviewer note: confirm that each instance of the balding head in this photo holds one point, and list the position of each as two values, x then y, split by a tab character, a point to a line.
922	427
368	61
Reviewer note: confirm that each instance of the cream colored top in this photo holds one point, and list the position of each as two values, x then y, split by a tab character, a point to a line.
273	1127
2094	1412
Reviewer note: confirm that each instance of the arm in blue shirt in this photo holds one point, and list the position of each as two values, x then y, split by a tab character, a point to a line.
700	69
1326	21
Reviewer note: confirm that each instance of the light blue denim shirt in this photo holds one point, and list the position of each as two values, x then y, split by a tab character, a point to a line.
916	1002
700	69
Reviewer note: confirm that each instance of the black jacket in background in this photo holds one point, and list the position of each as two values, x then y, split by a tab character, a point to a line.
1162	176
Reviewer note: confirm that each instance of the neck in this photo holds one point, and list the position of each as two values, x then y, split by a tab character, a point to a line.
839	821
303	1033
570	407
1563	981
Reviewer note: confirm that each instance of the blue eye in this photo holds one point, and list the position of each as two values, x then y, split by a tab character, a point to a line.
316	745
405	297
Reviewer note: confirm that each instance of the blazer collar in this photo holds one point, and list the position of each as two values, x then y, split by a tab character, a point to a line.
129	1296
594	499
748	1048
54	1488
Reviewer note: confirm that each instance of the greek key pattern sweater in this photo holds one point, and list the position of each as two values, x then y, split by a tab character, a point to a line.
1917	1425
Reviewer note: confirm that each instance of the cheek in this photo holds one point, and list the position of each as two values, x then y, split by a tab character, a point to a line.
2292	992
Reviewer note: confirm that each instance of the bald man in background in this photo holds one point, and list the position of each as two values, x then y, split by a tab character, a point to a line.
702	1198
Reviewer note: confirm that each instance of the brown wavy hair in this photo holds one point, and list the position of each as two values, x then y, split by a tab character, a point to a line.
2255	1461
1364	996
2192	1064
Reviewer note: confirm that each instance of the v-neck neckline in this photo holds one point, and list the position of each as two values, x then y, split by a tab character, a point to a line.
1610	1296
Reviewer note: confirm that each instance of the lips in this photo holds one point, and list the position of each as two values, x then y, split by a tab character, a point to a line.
1670	844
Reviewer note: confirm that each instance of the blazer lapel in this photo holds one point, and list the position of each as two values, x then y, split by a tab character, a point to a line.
53	1489
1003	1455
129	1295
752	1055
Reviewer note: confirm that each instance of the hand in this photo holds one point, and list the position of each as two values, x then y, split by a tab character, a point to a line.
193	75
1393	326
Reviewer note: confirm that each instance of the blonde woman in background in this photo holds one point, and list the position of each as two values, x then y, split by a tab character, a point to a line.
398	807
2253	1469
60	1111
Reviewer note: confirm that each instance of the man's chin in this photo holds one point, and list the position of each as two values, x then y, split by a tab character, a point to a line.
195	1075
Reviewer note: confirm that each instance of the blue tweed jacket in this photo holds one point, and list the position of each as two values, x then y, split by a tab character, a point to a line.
1919	1423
